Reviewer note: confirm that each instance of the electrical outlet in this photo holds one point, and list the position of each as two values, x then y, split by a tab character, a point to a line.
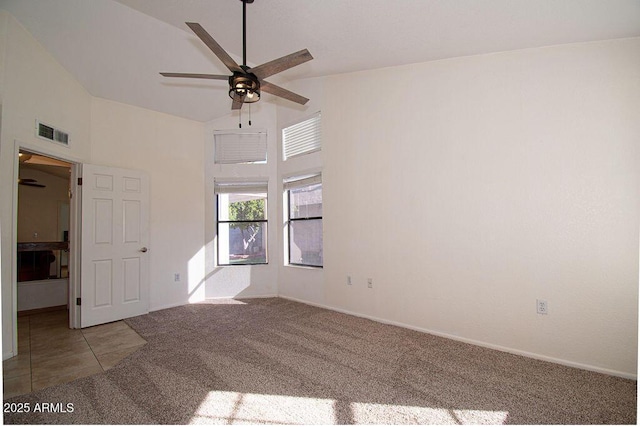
176	277
370	283
349	281
542	307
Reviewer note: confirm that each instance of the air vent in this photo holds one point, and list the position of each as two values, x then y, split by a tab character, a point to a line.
51	133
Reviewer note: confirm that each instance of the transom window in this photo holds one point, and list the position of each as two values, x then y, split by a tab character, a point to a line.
302	138
240	147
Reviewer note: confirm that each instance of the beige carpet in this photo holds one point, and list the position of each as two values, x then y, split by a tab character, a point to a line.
279	362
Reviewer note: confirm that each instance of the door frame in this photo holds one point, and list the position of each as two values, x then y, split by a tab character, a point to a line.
74	235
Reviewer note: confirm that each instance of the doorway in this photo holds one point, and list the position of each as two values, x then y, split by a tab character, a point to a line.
43	228
114	202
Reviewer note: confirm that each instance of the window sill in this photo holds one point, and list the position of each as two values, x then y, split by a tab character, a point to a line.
263	264
304	267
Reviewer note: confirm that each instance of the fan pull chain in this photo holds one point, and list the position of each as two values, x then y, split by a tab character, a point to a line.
240	117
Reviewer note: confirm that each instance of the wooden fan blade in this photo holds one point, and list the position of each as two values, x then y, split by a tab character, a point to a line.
30	182
197	76
277	65
215	47
282	93
237	102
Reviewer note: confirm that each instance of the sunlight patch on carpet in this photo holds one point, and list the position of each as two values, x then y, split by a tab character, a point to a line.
227	407
365	413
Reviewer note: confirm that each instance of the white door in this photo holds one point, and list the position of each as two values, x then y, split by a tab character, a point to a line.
114	278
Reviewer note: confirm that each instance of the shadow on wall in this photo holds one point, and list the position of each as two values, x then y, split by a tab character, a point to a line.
208	280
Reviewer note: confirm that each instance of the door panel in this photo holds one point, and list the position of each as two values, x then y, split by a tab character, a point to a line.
115	233
131	209
131	279
103	224
103	283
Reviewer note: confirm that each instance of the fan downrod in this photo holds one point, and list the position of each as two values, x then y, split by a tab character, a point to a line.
244	31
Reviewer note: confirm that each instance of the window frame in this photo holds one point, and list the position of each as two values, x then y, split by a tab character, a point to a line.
290	220
228	221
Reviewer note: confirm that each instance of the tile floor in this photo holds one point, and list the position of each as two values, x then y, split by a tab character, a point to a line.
50	353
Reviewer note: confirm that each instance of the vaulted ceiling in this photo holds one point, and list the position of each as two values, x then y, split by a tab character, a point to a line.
116	49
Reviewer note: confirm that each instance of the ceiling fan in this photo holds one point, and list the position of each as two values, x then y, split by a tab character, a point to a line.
246	83
29	182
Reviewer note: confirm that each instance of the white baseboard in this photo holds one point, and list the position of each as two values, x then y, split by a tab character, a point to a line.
7	355
536	356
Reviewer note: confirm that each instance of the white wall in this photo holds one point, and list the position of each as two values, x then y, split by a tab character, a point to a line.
300	283
170	150
33	86
246	280
468	188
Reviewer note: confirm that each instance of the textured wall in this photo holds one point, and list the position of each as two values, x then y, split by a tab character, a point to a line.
469	188
34	86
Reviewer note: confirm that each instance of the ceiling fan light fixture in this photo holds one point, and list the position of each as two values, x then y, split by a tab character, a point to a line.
245	86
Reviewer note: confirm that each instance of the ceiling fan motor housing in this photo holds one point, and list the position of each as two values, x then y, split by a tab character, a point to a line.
245	86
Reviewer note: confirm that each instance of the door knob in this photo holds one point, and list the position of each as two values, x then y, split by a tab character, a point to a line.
144	250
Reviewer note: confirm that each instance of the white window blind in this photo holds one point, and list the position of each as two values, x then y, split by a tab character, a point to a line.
302	138
301	181
243	187
234	148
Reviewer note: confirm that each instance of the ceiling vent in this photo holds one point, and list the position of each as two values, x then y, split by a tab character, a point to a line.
52	134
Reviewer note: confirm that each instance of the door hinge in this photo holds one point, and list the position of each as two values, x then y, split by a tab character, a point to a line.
78	301
79	181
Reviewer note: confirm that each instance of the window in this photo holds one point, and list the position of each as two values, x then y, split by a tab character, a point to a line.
302	138
242	223
241	147
304	222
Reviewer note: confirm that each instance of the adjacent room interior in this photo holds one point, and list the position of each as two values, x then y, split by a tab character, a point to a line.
43	233
428	213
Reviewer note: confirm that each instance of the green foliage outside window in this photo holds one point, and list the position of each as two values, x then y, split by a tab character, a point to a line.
248	210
